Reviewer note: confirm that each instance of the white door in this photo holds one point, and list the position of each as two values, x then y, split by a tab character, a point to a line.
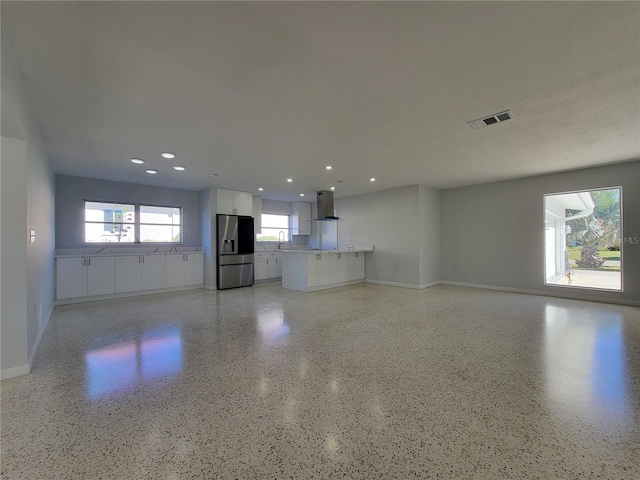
175	270
356	265
152	272
71	280
338	267
99	275
194	273
260	268
243	201
126	274
225	201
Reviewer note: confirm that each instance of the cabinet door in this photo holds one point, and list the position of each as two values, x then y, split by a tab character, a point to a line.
194	265
356	266
243	201
225	201
152	272
260	268
338	267
126	274
301	218
175	270
312	269
71	280
272	267
279	264
324	269
99	275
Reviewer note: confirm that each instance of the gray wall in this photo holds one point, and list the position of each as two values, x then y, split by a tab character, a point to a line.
27	202
208	208
389	220
493	234
71	192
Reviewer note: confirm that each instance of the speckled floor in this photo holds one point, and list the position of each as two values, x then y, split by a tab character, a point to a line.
359	382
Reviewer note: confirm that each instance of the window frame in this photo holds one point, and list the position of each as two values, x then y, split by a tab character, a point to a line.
136	224
288	229
621	234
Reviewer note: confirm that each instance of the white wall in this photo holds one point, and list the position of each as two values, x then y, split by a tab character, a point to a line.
493	234
390	220
71	193
27	289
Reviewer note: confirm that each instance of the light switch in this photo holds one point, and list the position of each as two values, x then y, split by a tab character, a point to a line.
32	236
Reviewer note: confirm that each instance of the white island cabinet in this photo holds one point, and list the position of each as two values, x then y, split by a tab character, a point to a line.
307	271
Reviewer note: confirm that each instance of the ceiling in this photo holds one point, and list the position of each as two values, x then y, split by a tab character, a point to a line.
261	92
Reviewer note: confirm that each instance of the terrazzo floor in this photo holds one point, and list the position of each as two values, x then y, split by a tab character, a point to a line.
359	382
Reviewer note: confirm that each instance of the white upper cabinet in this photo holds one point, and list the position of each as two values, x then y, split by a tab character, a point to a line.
301	218
232	202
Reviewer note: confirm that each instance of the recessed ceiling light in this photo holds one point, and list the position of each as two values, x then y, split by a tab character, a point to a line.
180	168
260	188
289	180
151	171
372	179
137	161
214	175
168	155
302	194
328	167
333	188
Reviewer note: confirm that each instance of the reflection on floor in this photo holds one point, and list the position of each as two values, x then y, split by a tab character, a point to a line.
363	382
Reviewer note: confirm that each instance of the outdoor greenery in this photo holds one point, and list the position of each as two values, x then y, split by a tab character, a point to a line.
574	254
598	231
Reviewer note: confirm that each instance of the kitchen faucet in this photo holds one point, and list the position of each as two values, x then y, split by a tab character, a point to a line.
280	241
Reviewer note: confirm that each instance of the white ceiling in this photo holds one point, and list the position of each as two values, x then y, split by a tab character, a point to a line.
258	92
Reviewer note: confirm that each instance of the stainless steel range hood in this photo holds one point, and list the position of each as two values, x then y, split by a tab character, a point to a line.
325	206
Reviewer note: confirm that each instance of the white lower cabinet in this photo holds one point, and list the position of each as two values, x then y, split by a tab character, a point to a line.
126	274
267	265
184	269
339	267
152	268
71	278
84	276
355	265
104	275
318	269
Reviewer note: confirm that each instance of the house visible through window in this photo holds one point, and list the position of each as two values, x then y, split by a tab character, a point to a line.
274	228
583	239
131	223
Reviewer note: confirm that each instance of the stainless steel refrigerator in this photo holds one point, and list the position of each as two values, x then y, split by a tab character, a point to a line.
235	251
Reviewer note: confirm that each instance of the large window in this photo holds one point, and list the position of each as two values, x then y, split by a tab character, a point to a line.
583	239
274	228
131	223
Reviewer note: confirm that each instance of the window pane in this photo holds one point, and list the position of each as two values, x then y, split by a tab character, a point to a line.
109	212
108	233
163	215
273	235
275	221
160	233
583	234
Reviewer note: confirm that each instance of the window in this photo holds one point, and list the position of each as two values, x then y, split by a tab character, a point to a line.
131	223
274	228
583	238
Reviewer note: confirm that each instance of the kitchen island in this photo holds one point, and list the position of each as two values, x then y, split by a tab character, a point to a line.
311	270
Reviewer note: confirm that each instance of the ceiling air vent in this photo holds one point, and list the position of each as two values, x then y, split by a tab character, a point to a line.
490	120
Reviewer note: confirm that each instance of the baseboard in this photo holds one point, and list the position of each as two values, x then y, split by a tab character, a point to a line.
402	285
12	372
210	287
617	301
96	298
36	346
